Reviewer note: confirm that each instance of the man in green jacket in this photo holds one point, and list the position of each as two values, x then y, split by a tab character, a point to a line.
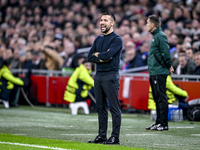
159	66
7	81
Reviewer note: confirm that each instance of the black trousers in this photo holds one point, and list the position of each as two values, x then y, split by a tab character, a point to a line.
158	85
106	87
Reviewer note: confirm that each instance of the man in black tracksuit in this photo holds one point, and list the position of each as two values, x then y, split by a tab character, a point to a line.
105	52
159	66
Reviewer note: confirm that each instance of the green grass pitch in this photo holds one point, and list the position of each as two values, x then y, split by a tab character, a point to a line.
27	128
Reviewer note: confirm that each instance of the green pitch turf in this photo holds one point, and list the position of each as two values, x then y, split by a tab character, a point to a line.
27	128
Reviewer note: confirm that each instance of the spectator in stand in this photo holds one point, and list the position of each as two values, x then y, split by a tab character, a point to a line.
126	37
187	65
126	47
136	39
58	40
70	52
25	62
38	61
132	59
143	51
197	62
52	60
24	24
171	25
15	62
175	52
190	53
9	54
196	45
176	64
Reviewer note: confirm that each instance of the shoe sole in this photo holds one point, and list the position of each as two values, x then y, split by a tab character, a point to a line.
113	144
96	143
159	130
147	129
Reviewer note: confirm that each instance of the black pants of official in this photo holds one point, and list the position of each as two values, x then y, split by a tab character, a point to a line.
106	87
158	85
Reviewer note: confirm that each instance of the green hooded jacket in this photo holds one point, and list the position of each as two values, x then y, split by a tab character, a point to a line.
159	58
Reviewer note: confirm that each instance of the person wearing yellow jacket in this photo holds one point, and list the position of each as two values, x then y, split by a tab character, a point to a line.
79	83
172	92
7	81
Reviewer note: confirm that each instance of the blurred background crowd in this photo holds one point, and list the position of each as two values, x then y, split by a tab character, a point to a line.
46	34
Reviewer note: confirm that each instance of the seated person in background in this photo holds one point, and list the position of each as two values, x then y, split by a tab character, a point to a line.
190	53
38	61
175	62
197	62
52	60
143	51
79	84
70	53
7	81
132	60
187	66
172	92
77	60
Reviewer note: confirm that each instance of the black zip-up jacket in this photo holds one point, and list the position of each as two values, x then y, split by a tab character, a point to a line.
109	48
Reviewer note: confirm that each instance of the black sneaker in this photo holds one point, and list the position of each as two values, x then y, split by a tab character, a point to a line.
159	127
166	128
149	128
112	140
98	140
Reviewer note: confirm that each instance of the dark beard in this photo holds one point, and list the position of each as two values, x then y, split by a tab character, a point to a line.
107	29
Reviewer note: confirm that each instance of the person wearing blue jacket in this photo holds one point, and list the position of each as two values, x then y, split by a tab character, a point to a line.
106	53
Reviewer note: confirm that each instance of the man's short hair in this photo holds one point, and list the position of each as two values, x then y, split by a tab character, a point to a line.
197	53
110	14
185	56
7	62
155	20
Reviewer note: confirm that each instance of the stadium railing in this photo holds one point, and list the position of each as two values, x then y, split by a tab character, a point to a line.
49	86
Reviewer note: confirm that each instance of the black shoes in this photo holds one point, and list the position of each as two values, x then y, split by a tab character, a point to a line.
152	126
98	140
157	127
112	140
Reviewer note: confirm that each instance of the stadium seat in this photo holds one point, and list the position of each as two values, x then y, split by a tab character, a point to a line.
75	106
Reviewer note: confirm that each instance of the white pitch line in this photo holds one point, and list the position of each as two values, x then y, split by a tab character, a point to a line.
170	144
142	134
184	127
78	134
96	120
32	145
195	134
19	134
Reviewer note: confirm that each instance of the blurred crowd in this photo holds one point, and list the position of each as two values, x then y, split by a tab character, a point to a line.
45	34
